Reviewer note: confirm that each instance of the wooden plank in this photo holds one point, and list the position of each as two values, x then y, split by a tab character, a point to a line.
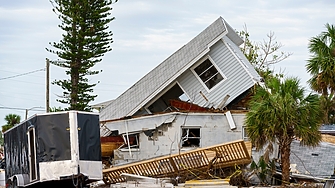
248	146
328	138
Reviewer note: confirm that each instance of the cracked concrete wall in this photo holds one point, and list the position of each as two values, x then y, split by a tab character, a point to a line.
214	129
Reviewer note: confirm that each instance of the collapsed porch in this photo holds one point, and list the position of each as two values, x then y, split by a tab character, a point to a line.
202	160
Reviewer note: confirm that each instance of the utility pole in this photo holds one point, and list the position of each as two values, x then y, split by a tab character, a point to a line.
32	109
47	85
26	113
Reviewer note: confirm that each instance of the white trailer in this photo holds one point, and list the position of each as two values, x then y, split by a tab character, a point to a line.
61	148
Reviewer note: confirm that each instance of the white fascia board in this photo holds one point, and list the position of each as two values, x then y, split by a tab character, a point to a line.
64	112
238	59
229	28
141	123
231	121
181	71
84	112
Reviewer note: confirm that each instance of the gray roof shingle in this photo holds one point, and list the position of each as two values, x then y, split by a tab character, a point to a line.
318	161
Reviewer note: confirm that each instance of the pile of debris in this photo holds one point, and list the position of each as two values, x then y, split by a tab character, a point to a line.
184	166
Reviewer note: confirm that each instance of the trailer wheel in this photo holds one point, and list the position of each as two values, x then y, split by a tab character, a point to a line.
14	185
9	184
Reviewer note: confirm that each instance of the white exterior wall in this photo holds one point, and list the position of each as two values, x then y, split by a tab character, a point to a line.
237	79
214	129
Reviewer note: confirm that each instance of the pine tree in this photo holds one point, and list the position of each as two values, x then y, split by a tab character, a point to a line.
85	41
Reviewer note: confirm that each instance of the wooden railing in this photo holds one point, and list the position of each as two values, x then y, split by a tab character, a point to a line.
217	156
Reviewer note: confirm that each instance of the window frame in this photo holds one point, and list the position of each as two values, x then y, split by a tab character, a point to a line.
198	138
217	69
245	136
133	146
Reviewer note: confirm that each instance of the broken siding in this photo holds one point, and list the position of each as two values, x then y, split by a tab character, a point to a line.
237	79
192	86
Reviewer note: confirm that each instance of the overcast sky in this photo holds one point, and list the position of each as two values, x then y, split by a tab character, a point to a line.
145	34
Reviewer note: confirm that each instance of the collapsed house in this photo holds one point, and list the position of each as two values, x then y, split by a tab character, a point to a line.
195	98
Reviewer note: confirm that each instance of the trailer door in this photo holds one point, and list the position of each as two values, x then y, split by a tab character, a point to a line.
89	137
32	153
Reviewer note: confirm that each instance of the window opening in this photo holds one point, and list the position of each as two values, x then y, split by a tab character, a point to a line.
133	141
245	134
209	75
190	137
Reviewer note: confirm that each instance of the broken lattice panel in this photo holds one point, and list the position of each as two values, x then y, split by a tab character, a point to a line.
218	156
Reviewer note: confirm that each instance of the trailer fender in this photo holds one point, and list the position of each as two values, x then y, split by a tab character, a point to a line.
21	179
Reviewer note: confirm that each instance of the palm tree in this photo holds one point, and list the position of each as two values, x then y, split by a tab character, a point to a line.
11	119
328	108
321	65
279	114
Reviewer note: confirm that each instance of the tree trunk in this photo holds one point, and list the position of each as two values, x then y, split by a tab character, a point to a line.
75	64
285	151
74	91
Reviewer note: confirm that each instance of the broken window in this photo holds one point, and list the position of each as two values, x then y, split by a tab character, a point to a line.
132	140
190	137
208	73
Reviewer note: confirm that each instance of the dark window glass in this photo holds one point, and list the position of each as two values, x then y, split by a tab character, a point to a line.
190	137
208	74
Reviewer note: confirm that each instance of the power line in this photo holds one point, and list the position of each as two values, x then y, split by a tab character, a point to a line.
13	108
23	74
19	73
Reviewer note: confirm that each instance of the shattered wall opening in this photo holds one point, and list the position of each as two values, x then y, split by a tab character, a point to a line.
190	137
153	134
163	103
131	141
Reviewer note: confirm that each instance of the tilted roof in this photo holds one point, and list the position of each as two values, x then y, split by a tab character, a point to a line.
148	86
